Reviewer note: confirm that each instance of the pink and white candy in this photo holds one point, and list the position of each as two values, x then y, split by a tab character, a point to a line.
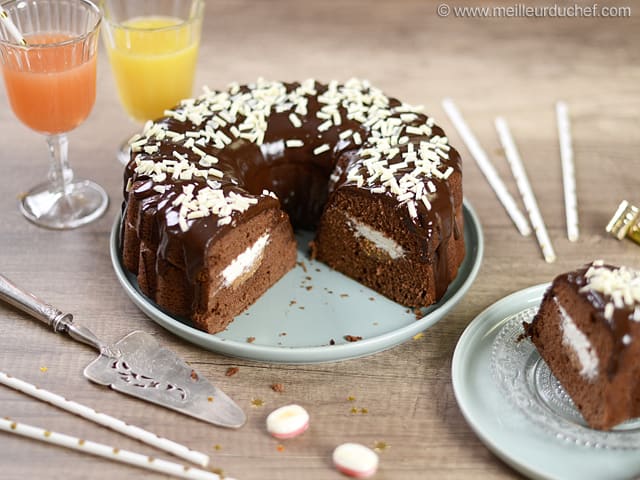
288	421
355	460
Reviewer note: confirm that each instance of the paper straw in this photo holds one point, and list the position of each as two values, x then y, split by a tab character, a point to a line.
106	451
10	26
486	167
132	431
568	171
529	199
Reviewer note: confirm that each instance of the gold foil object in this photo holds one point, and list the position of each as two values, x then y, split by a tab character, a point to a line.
625	222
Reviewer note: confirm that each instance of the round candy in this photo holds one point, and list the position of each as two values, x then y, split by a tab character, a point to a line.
355	460
288	421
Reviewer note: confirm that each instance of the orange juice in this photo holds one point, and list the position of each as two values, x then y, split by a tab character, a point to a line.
154	61
50	88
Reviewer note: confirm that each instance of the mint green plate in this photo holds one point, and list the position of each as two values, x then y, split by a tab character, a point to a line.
509	410
305	317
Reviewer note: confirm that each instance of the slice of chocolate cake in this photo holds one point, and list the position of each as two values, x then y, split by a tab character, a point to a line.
588	332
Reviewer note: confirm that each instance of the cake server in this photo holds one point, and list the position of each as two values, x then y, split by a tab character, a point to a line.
136	365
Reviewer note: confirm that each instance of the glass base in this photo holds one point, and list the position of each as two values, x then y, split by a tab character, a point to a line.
124	153
84	202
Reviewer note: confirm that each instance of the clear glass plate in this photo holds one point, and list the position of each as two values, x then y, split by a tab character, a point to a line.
526	380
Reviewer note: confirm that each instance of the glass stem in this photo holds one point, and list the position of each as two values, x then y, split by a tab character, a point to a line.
60	174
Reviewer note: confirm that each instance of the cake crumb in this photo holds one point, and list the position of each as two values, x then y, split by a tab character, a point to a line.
194	375
318	270
313	250
344	295
418	313
277	387
303	266
309	287
209	399
371	298
280	448
282	334
292	303
332	342
251	339
352	338
308	278
231	371
301	307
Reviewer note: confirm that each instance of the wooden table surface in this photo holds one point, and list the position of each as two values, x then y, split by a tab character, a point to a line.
515	67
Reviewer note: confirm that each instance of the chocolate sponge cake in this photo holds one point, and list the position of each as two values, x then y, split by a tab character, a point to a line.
214	190
588	332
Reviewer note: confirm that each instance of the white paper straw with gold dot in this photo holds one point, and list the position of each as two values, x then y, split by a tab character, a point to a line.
568	171
486	167
177	449
106	451
529	199
11	27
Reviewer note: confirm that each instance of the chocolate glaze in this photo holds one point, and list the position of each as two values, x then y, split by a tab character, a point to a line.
622	319
300	179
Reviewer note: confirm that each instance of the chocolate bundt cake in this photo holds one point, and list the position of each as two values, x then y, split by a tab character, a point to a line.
587	331
214	188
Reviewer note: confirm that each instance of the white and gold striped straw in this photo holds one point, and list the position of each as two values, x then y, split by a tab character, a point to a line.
529	199
568	171
177	449
11	27
106	451
486	167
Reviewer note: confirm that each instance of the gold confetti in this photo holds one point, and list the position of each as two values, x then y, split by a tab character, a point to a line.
280	447
44	369
257	402
364	411
418	336
354	410
217	447
380	446
351	398
209	399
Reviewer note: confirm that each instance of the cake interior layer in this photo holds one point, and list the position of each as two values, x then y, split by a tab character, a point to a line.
368	242
242	265
579	348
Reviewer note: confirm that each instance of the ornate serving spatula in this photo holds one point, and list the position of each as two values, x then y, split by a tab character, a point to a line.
136	365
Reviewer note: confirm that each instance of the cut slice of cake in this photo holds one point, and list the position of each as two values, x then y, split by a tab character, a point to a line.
587	330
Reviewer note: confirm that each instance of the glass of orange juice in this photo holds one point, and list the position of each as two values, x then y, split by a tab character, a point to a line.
153	48
51	85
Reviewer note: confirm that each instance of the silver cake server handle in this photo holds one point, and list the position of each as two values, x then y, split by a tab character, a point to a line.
59	321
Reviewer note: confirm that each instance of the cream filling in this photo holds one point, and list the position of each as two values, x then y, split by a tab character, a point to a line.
377	238
573	337
246	261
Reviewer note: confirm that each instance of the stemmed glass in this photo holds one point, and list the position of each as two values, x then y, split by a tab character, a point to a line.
51	85
153	48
